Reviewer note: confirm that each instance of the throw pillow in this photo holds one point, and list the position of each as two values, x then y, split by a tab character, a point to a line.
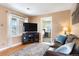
66	48
71	38
61	39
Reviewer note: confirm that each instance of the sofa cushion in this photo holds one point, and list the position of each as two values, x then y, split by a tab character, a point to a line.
57	44
53	53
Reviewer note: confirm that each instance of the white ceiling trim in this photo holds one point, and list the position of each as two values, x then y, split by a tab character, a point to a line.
38	8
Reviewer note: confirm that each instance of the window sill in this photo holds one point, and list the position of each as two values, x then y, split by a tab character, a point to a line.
17	35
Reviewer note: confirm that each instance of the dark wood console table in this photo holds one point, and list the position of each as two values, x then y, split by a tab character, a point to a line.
30	37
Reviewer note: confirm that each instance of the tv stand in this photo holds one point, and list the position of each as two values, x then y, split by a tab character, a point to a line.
30	37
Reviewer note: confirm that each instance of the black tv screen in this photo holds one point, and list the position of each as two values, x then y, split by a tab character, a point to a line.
30	27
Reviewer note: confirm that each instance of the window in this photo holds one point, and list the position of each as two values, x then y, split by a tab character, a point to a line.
15	25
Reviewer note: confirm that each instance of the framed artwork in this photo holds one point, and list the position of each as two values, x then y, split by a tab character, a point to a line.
75	15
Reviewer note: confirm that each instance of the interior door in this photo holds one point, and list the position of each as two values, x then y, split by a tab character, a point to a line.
46	29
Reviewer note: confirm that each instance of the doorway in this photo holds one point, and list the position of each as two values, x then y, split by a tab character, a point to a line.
46	29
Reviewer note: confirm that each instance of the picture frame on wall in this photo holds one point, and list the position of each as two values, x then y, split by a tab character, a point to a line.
75	15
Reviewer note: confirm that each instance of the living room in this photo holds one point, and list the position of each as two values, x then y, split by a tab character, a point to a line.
21	28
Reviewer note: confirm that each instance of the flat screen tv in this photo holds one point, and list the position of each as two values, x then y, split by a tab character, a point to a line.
30	27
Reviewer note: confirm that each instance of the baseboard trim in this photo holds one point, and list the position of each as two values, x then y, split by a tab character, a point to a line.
10	46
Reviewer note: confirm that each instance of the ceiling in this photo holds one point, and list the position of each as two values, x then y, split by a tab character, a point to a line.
34	9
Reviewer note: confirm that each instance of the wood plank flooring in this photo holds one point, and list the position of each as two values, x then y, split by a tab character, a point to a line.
12	50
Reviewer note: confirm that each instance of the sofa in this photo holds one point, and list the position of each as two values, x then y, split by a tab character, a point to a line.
70	42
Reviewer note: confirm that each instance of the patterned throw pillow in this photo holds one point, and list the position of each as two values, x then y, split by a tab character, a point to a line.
71	38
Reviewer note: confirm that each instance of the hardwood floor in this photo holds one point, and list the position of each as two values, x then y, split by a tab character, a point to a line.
12	50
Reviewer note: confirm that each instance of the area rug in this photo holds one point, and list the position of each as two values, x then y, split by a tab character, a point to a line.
35	49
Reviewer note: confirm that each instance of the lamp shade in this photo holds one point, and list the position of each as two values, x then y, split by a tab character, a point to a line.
65	28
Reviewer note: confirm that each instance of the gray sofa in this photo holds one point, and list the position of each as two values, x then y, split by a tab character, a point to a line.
58	45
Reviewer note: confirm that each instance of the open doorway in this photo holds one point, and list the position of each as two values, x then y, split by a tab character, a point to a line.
46	29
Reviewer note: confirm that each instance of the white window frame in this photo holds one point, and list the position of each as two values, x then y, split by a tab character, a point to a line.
18	21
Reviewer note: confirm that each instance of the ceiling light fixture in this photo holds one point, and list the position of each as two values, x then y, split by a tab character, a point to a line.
28	8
